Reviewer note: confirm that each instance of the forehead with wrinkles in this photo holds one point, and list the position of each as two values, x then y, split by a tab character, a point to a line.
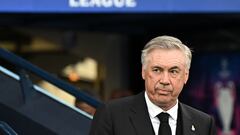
166	58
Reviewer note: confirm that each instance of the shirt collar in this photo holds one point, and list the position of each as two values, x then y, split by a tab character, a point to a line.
154	110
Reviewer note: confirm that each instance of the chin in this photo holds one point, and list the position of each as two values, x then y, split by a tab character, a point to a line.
163	99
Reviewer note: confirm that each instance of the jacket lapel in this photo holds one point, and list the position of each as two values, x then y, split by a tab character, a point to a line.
140	119
139	116
188	126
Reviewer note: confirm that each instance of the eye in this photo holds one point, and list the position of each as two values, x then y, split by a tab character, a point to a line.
156	70
174	72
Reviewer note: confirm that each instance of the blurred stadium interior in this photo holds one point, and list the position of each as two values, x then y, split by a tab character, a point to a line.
99	53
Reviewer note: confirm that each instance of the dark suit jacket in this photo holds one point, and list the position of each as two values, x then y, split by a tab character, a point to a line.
129	116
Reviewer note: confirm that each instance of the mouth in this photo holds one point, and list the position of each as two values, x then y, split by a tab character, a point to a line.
162	91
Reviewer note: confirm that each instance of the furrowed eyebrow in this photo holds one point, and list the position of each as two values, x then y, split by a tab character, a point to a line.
172	68
175	67
157	67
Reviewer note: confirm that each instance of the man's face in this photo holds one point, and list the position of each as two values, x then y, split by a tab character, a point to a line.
165	74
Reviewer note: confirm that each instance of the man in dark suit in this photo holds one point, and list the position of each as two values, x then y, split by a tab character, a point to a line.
156	111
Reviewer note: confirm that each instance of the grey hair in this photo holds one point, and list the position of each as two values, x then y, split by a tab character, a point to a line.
166	42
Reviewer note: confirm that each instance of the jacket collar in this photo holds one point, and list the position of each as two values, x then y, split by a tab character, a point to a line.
140	117
188	126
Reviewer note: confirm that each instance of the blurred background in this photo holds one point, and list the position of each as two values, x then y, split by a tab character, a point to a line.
96	46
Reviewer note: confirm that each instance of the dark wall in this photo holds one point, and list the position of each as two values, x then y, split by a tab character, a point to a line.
206	32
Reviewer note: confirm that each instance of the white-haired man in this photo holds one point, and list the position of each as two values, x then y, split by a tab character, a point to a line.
156	111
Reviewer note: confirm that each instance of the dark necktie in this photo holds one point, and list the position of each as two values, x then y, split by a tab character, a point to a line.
164	128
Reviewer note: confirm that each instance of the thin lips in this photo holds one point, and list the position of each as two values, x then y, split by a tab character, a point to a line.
162	89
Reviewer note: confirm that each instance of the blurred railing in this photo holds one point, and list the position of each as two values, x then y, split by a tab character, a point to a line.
23	65
5	129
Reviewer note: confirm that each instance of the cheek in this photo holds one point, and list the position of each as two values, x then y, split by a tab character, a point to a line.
153	77
151	81
177	86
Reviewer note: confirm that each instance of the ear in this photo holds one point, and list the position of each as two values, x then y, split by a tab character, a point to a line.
186	77
143	73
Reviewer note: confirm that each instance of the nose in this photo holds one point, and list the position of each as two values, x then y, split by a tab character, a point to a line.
164	79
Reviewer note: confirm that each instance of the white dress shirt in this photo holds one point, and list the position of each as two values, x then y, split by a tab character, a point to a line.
154	110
